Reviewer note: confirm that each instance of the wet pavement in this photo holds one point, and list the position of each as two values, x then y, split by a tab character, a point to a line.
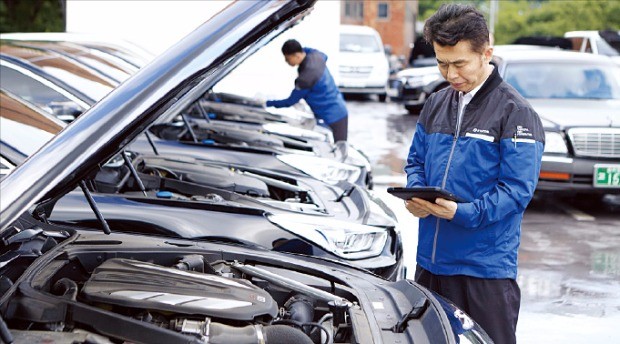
569	259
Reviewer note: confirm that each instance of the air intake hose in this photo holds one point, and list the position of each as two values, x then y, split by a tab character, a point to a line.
256	334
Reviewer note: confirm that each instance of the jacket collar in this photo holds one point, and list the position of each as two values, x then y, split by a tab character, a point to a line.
489	85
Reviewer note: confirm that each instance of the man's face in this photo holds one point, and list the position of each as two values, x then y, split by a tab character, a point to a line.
293	59
462	67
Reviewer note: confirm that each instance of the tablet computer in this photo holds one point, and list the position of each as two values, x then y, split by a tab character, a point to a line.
428	193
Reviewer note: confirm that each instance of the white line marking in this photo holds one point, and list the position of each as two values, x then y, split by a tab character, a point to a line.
576	213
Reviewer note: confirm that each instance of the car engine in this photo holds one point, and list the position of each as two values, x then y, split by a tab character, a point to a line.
165	297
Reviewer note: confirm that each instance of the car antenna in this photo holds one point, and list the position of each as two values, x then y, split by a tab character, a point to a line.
134	173
93	206
189	127
148	138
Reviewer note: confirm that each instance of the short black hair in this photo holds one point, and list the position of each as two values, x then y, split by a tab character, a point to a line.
291	47
453	23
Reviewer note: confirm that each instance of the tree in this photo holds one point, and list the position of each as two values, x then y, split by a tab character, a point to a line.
32	15
517	18
554	18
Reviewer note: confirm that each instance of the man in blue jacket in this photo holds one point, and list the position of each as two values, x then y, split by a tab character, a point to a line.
316	86
482	141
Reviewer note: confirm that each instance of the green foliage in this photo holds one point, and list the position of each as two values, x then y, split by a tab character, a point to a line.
554	18
32	16
516	18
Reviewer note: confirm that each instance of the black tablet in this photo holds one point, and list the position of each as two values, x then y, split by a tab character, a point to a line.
428	193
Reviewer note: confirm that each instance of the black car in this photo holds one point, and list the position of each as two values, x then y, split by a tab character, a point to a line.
188	198
188	131
68	283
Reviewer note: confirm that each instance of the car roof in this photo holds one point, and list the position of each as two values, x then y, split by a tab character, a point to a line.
582	33
551	55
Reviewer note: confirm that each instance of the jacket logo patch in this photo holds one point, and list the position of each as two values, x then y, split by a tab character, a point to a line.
480	131
481	136
522	132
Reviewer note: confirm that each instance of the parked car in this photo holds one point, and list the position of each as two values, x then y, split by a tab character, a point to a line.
411	86
67	283
137	57
364	67
127	51
577	97
263	146
596	42
157	188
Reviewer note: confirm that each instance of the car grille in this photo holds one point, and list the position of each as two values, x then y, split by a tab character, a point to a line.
355	71
595	142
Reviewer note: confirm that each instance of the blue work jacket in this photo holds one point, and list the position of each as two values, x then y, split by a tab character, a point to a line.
491	158
317	87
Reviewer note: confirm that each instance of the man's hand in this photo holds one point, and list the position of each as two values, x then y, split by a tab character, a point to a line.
415	209
442	208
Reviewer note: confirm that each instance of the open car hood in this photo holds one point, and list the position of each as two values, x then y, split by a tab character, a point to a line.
173	80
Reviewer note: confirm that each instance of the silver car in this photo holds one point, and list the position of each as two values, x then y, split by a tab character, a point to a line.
578	99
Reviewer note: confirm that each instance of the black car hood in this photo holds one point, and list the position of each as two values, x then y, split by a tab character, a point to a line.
567	113
172	81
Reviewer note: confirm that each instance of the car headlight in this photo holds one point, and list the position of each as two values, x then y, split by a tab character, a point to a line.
422	80
344	239
323	169
555	143
352	155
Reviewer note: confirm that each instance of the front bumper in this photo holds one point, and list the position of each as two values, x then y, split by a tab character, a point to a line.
572	175
399	93
363	90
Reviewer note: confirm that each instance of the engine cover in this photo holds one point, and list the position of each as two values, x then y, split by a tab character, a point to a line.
136	284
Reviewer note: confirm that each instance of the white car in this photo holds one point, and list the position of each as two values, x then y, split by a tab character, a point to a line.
364	67
596	42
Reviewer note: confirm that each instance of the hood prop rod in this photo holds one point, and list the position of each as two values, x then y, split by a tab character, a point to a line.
202	111
189	128
148	138
93	206
134	173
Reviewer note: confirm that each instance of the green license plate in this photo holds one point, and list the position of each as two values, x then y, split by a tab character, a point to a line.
607	176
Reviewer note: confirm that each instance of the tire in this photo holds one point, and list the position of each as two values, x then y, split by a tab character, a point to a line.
413	109
382	97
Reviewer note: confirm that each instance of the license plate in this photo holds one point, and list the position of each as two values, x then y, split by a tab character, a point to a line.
607	176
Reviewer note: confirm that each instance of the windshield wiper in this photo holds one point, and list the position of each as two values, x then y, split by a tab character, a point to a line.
415	313
93	206
134	173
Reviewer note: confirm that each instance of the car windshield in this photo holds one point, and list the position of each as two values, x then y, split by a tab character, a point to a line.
34	91
358	43
14	132
564	80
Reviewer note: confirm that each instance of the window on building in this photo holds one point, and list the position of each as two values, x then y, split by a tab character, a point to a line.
354	9
383	10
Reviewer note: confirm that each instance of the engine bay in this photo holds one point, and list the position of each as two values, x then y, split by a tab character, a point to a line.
189	180
144	293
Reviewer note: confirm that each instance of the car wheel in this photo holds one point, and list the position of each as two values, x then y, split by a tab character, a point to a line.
413	109
382	97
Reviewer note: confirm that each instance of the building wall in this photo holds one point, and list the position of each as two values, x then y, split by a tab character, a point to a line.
397	29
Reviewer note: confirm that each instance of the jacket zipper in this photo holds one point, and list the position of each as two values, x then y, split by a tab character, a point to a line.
445	176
